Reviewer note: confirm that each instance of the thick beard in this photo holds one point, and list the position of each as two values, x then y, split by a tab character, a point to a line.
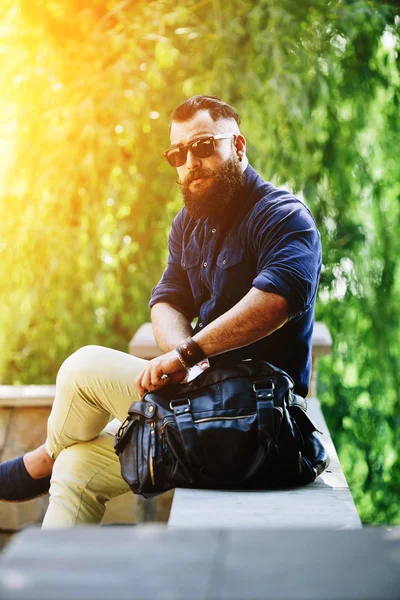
221	198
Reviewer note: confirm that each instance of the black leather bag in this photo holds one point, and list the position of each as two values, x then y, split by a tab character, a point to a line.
236	427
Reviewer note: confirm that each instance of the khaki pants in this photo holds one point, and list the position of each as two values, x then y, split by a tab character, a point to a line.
94	389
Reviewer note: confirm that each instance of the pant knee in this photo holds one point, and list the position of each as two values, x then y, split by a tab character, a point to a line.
76	366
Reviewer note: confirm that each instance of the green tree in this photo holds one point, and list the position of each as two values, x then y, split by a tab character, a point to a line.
87	88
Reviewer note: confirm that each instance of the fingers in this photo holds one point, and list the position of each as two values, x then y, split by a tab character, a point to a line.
140	390
138	384
156	376
151	378
159	372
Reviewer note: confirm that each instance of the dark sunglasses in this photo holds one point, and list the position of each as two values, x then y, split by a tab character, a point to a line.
202	148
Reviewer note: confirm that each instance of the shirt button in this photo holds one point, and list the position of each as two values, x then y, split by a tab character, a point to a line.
204	264
224	262
200	324
213	230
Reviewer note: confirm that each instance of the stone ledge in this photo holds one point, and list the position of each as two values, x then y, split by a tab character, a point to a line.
23	396
158	563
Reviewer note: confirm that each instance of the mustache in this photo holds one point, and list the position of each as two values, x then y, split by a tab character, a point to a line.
194	175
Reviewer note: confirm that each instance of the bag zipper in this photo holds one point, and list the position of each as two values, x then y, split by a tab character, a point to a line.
152	450
208	419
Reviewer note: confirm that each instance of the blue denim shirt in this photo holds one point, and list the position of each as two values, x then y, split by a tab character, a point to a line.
272	244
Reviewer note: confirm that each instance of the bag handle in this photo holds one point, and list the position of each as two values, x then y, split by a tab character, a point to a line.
191	443
265	393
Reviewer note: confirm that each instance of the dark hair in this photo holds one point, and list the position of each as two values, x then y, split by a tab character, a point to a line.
217	108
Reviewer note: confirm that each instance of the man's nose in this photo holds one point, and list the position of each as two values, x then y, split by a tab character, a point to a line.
192	161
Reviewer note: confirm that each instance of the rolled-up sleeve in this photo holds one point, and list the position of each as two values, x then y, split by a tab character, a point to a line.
288	249
174	287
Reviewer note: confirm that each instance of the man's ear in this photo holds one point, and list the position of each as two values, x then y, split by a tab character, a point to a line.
240	145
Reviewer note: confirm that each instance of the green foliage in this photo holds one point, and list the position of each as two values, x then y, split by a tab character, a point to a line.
86	199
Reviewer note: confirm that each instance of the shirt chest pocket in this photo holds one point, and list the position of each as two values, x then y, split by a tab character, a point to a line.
231	277
190	263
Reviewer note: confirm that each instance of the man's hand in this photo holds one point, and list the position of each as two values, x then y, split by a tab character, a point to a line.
151	377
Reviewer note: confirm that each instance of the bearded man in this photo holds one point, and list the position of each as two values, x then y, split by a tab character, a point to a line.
244	258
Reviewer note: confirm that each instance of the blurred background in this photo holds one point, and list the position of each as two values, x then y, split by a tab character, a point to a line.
86	198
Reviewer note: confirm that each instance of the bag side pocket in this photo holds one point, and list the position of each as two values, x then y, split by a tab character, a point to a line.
314	458
126	445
